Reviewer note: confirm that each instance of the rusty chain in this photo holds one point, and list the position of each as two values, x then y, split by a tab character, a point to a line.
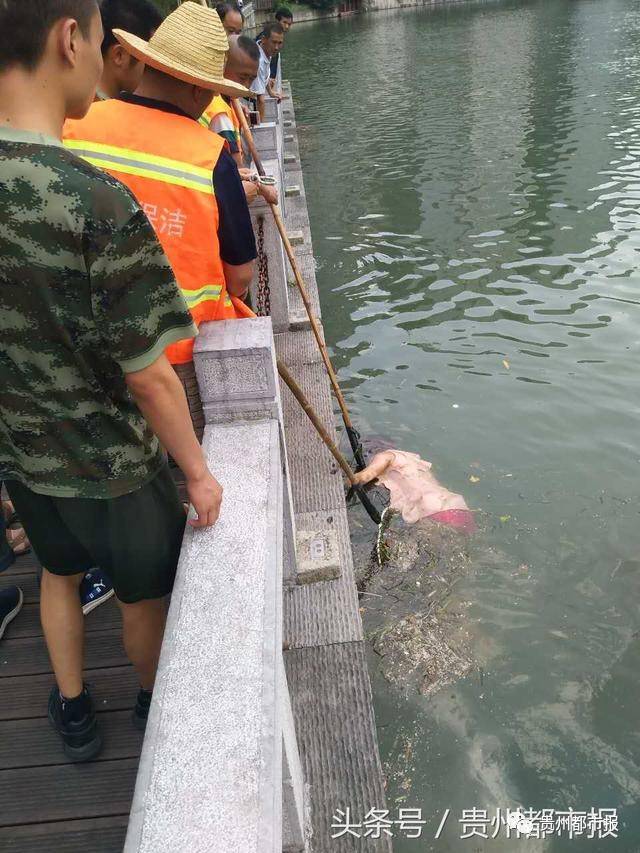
263	307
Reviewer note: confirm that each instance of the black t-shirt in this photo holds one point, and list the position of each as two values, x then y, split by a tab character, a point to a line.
235	231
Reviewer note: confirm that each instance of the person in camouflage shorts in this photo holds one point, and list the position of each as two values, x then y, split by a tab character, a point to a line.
88	304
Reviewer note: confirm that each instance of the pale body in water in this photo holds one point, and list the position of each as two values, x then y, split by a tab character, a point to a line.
414	490
420	634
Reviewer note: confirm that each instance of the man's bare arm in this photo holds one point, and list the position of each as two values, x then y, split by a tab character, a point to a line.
161	399
238	278
272	92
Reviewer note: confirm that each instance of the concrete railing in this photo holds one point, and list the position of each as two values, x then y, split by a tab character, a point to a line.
249	12
274	295
220	770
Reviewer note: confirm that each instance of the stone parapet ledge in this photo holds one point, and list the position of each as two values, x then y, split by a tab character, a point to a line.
211	772
265	136
276	262
235	364
272	109
236	370
220	770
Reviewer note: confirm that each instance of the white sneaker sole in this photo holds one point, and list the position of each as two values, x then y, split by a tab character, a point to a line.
87	608
11	615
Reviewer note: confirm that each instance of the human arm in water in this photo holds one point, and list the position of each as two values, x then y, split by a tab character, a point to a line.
378	465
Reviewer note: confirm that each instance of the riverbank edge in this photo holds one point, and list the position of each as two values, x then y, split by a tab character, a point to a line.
306	15
324	645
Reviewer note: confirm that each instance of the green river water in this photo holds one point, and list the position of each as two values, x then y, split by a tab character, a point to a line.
473	177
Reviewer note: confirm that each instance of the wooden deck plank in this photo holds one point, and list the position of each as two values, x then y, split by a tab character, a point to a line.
66	792
27	582
32	743
100	835
27	623
24	565
29	656
23	696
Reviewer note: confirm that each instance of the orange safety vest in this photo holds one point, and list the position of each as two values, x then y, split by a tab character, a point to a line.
219	106
167	161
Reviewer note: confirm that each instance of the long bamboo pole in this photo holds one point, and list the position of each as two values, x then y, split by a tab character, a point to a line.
352	433
298	393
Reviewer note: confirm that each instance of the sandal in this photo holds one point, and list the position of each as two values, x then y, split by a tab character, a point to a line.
10	515
16	535
18	541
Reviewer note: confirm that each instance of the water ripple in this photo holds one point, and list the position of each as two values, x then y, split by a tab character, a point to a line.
474	183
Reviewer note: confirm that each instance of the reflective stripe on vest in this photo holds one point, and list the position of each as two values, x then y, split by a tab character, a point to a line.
219	106
208	292
143	165
167	161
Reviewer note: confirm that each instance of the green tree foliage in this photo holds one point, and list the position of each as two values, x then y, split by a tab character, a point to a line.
166	6
323	5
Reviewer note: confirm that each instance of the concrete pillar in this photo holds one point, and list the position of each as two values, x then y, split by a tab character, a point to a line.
276	261
265	136
236	369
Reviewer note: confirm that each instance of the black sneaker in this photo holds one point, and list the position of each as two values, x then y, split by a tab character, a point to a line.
141	711
75	721
11	600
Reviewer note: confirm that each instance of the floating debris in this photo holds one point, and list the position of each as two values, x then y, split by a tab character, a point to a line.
417	624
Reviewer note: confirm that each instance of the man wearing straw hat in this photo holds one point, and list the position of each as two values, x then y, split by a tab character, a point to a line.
182	175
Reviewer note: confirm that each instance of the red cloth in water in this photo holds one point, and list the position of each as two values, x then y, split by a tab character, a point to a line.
460	518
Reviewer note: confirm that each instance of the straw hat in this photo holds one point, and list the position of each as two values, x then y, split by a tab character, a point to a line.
191	45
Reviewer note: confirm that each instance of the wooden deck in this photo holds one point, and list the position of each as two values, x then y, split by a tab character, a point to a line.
46	803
